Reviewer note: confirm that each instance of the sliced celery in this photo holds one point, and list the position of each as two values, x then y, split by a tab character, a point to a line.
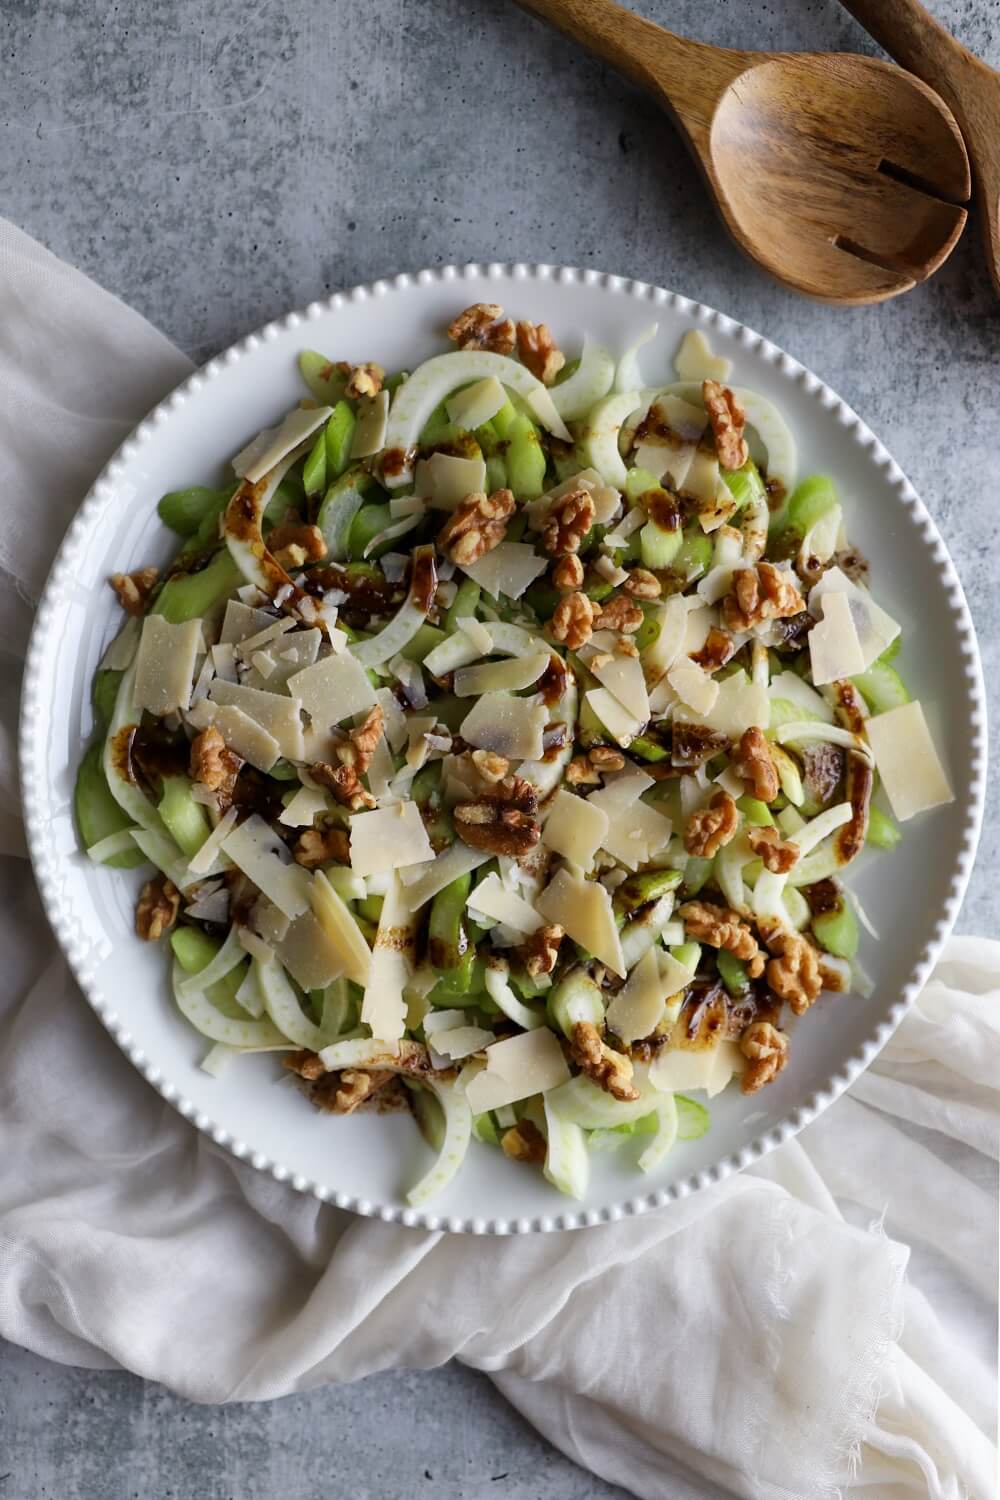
103	692
341	504
186	596
369	521
97	813
314	472
837	931
185	819
733	973
745	484
525	459
637	482
883	833
339	436
184	510
574	999
881	687
757	813
464	605
659	548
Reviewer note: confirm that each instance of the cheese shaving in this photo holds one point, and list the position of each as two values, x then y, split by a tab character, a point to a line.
510	726
257	850
269	447
695	361
693	686
907	761
509	568
834	648
277	715
583	909
445	480
164	665
516	1069
493	899
333	690
241	733
575	828
388	839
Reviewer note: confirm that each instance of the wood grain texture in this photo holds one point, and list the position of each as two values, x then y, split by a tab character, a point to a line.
841	175
911	34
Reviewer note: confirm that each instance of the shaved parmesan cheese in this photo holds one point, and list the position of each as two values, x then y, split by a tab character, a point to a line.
680	1069
583	909
288	656
461	1041
205	858
381	770
740	704
164	664
699	623
309	954
393	717
333	689
388	839
277	715
441	1020
476	404
445	480
662	698
383	1007
623	677
493	899
477	633
702	483
275	443
907	761
620	724
510	726
695	361
373	418
693	686
242	621
875	629
517	1068
834	648
257	850
502	676
575	828
424	881
630	521
619	792
730	782
509	569
268	633
240	732
661	654
636	833
340	927
638	1007
306	805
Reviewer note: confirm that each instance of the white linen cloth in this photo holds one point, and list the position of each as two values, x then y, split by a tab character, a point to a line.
764	1337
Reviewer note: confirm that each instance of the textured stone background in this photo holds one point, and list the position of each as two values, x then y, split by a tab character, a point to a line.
218	164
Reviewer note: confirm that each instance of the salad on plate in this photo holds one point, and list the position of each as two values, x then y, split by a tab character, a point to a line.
501	737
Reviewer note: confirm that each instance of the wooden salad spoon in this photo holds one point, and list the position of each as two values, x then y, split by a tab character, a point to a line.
911	34
841	175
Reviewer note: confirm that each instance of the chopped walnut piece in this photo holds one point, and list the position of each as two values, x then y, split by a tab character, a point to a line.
606	758
476	526
626	646
777	855
537	349
610	1070
491	767
541	951
365	380
573	620
355	1086
793	971
134	589
293	543
754	765
360	745
483	326
567	574
318	846
305	1064
344	783
524	1142
728	421
214	765
567	523
712	826
502	821
761	593
582	772
720	928
156	912
642	584
766	1049
619	613
719	648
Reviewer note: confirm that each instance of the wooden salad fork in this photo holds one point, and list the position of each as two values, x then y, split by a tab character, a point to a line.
841	175
911	34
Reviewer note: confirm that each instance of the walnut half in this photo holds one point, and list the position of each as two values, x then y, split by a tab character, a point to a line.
156	912
728	421
483	326
610	1070
712	827
476	526
766	1050
721	928
501	821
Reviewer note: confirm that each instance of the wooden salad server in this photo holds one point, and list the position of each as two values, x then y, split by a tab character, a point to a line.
906	30
841	175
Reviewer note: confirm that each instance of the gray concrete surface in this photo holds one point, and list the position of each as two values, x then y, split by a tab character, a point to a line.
216	165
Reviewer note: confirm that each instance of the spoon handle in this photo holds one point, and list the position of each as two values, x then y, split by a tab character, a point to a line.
908	31
914	38
691	75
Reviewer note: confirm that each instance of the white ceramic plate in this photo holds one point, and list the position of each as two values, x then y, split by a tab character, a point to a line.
365	1163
